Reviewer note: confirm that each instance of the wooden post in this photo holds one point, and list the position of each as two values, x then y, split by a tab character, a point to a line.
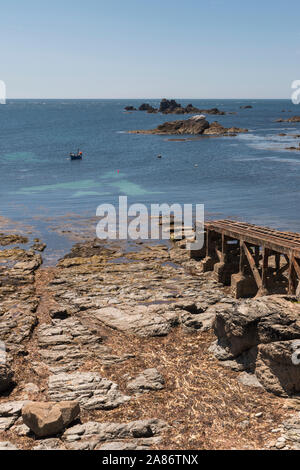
292	276
265	266
257	251
224	248
207	242
277	262
252	265
242	257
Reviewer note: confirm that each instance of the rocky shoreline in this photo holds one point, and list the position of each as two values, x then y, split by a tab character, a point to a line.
139	349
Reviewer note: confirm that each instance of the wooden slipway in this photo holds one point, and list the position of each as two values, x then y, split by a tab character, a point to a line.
252	259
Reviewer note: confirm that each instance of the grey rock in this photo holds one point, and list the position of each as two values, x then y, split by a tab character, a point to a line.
149	379
261	335
17	320
275	369
117	445
50	444
291	431
244	424
9	413
6	423
141	320
31	388
22	430
89	435
66	344
250	380
137	444
12	408
92	391
47	419
5	445
257	321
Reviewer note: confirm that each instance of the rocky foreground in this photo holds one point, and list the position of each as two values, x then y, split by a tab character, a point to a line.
137	349
196	125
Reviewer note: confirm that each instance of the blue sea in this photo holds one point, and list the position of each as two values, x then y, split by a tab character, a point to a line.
251	177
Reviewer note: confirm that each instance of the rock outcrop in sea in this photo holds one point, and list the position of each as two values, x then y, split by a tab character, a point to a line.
130	108
196	125
172	107
291	119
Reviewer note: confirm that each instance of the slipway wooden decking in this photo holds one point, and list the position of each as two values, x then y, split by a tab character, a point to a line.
240	254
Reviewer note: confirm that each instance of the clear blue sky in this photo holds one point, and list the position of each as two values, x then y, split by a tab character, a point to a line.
149	48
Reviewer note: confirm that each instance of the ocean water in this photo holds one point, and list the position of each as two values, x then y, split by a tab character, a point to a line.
251	177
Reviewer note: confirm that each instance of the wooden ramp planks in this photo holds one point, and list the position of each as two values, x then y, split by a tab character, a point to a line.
255	244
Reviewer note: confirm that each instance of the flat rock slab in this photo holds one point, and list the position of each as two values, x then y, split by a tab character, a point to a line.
89	435
92	391
139	320
65	345
250	380
6	423
17	321
11	408
9	413
135	444
5	445
50	444
148	380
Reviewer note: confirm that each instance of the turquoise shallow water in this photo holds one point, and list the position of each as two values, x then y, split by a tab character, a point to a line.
251	177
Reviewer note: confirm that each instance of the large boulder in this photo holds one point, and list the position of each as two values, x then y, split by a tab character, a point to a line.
276	370
249	323
262	336
47	418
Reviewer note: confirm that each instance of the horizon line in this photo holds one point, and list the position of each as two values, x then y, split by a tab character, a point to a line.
144	98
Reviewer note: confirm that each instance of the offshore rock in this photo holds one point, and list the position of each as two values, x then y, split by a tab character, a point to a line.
172	107
196	125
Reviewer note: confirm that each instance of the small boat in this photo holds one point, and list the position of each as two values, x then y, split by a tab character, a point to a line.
76	156
159	156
